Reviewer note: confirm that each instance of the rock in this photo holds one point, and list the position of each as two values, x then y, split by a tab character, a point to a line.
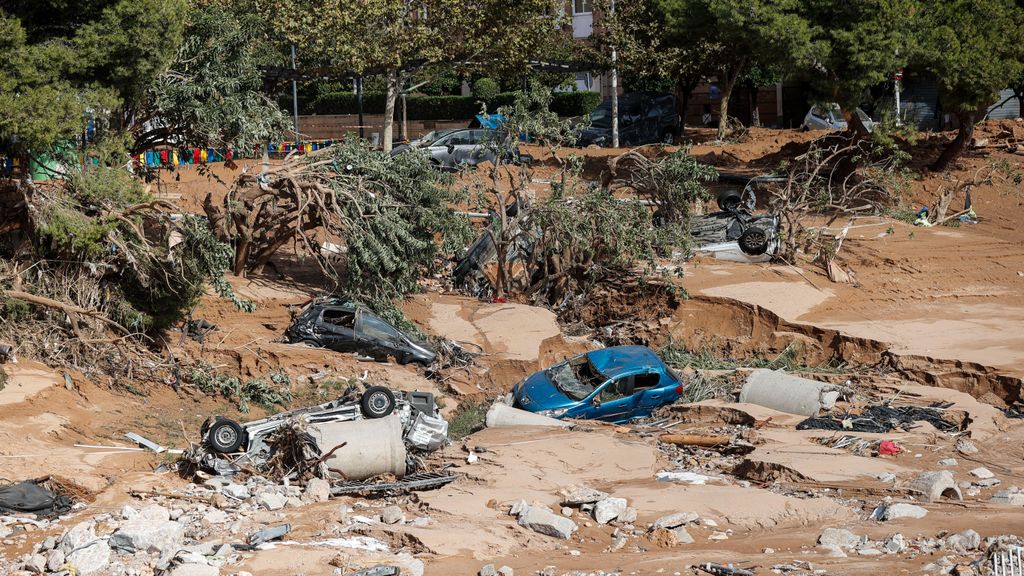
148	533
271	500
895	543
716	535
768	550
933	486
392	515
155	513
1012	496
609	509
566	511
547	522
176	513
682	536
192	569
964	541
127	512
215	516
488	570
988	482
317	490
506	571
238	491
35	564
948	462
578	495
48	544
518	507
54	560
887	477
833	551
628	516
673	520
838	538
708	522
90	559
618	543
966	447
982	472
901	510
869	552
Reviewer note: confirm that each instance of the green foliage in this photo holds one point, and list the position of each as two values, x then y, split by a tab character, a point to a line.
255	391
448	107
103	187
63	232
467	419
486	89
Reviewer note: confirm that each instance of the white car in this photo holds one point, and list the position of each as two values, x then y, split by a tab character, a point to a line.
830	117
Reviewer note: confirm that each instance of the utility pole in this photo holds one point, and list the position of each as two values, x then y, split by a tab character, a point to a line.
615	92
295	96
898	81
359	105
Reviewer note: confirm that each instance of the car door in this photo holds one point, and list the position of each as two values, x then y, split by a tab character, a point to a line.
652	390
459	148
336	328
484	142
377	338
614	400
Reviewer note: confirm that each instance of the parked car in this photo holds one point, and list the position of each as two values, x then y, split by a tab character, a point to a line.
449	149
345	326
615	384
644	118
830	117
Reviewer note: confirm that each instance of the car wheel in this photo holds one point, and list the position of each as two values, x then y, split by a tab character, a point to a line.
753	241
310	343
377	402
225	436
730	200
668	137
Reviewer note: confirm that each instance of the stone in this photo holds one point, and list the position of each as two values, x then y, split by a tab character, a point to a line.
982	473
901	510
392	515
833	551
628	516
506	571
238	491
176	513
488	570
838	538
518	507
317	490
1012	496
90	559
547	523
933	486
682	536
566	511
716	535
673	520
271	500
869	552
948	462
966	447
48	544
148	534
988	482
54	560
609	509
192	569
35	564
77	536
895	543
768	551
964	541
708	522
127	512
618	543
155	513
578	495
215	516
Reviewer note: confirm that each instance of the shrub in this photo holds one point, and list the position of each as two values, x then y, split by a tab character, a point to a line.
449	107
486	89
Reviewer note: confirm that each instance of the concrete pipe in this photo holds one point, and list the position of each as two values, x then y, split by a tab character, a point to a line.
502	415
375	446
786	393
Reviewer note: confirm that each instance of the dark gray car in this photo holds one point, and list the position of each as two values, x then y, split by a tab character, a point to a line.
644	118
450	149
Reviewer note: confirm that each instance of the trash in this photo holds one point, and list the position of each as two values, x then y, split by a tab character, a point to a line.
7	354
724	570
901	510
198	329
267	535
427	433
880	419
682	476
141	441
379	571
786	393
32	496
419	481
888	448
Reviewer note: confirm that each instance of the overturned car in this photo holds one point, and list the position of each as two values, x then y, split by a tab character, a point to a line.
736	232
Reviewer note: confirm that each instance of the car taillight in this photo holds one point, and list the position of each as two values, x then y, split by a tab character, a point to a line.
679	389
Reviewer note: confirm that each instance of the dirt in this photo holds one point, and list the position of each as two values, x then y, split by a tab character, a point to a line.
935	316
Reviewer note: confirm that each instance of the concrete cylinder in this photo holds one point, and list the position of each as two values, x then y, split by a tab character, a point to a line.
786	393
375	446
501	415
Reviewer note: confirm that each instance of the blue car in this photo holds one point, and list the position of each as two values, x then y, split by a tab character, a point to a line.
614	384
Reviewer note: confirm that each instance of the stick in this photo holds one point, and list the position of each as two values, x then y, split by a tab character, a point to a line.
695	440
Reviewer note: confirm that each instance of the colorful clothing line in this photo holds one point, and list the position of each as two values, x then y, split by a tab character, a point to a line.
175	157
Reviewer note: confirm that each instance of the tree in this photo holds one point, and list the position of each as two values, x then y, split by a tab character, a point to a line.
746	33
974	50
754	80
856	46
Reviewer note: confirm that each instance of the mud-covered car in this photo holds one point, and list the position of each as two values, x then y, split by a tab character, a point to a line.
345	326
615	384
737	225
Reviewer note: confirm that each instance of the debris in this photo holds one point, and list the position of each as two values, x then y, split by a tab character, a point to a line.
966	447
895	543
674	520
488	570
151	531
982	473
964	541
54	560
142	441
379	571
89	559
32	496
682	536
786	393
271	500
704	441
418	481
934	486
902	510
948	462
546	522
501	415
392	515
838	538
723	570
888	448
578	495
317	490
609	509
1012	496
269	534
880	419
682	476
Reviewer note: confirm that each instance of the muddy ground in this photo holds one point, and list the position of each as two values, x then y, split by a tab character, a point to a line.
936	315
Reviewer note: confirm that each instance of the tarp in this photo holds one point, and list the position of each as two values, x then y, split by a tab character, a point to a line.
492	121
28	496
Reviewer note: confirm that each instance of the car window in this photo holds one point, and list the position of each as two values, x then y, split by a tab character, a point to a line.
644	381
617	389
460	138
576	378
376	328
339	317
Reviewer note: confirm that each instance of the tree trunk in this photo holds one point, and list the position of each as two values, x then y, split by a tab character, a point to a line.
963	136
755	112
854	125
684	89
389	108
723	109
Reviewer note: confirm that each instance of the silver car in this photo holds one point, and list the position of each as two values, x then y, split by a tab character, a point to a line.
449	149
830	117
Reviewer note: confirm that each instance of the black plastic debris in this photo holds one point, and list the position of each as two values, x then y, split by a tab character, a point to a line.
31	497
421	481
1013	413
881	419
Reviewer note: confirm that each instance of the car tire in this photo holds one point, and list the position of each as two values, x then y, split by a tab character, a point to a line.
753	241
310	343
730	200
225	436
377	402
668	137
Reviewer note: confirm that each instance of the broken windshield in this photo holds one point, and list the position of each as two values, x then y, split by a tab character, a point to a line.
576	378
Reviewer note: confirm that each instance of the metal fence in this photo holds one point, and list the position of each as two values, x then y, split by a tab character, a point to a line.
1008	562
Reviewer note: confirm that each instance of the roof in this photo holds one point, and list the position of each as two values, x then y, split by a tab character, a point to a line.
622	359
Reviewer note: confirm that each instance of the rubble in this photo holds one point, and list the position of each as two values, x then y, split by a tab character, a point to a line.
674	520
838	538
392	515
579	495
982	473
1012	496
902	510
933	486
609	509
546	522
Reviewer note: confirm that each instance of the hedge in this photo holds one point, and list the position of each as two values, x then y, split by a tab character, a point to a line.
445	107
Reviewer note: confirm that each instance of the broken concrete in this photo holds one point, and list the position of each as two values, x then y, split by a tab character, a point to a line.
674	520
787	393
933	486
902	510
609	509
838	538
547	522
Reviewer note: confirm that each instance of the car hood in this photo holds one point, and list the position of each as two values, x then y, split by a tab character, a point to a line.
538	393
421	350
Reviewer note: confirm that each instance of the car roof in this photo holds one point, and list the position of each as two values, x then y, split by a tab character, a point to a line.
617	360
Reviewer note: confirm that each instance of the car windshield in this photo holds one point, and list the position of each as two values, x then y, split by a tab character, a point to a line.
432	136
601	117
576	378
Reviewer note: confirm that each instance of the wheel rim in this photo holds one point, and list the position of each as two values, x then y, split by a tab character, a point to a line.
226	436
378	402
755	239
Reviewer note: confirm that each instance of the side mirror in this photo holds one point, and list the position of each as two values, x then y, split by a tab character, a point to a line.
451	148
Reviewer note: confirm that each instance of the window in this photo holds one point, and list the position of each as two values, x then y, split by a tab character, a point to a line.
584	81
581	7
340	317
644	381
459	139
378	329
617	389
